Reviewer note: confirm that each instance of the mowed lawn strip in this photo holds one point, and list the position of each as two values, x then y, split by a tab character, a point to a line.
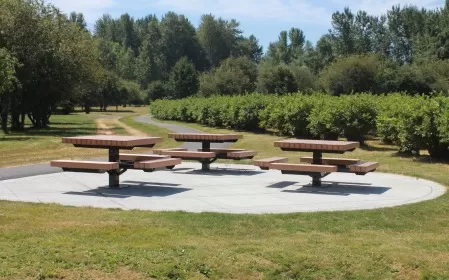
407	242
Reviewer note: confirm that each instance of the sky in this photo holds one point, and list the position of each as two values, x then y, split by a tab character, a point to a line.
262	18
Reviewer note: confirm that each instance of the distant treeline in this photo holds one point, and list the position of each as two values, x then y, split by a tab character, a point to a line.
411	122
404	50
49	60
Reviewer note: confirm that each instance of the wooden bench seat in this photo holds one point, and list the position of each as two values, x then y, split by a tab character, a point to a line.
311	168
160	151
232	153
221	151
362	168
157	163
140	157
189	154
264	163
332	161
85	166
245	154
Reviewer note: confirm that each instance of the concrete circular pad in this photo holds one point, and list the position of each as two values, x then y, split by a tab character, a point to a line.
225	189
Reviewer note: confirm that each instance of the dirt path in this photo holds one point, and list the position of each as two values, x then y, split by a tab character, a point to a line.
105	126
129	130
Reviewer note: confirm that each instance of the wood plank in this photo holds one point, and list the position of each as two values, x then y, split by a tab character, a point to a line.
265	162
332	161
324	145
363	167
95	165
141	157
241	154
221	151
112	140
157	163
204	136
159	151
303	167
189	154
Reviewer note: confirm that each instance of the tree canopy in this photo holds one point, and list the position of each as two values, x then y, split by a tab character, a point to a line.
48	58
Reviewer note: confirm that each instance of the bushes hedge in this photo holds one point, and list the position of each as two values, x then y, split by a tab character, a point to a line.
411	122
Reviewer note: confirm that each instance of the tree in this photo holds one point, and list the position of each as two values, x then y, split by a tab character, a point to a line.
151	62
304	78
322	55
233	76
8	81
156	90
183	80
8	64
289	47
129	37
55	55
249	48
355	73
218	38
107	28
118	59
276	79
78	19
343	32
404	26
179	39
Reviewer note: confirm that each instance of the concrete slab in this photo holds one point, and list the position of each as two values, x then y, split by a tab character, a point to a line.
227	188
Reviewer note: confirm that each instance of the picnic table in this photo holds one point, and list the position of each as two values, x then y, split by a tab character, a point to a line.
207	155
117	163
316	166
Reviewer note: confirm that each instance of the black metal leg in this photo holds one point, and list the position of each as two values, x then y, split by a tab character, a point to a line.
317	159
316	181
114	175
205	164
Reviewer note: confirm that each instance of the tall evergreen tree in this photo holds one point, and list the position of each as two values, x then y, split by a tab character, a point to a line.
183	80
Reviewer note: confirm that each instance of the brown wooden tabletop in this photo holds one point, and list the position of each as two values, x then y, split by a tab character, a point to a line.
199	137
111	141
316	145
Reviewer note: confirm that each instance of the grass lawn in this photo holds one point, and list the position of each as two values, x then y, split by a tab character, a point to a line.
41	241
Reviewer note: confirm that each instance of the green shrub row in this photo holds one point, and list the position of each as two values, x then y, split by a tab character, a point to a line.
411	122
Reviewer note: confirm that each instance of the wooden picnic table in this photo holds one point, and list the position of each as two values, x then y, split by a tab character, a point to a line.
207	155
117	163
318	147
317	167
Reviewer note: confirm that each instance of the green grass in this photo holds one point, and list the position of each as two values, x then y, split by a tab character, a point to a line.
406	242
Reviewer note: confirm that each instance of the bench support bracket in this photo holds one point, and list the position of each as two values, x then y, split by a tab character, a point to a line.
317	159
205	164
114	175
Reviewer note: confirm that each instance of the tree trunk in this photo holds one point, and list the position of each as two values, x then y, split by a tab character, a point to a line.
15	112
4	110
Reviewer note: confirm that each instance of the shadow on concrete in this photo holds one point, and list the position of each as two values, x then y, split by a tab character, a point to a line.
134	188
181	169
331	183
140	183
221	172
341	189
281	185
